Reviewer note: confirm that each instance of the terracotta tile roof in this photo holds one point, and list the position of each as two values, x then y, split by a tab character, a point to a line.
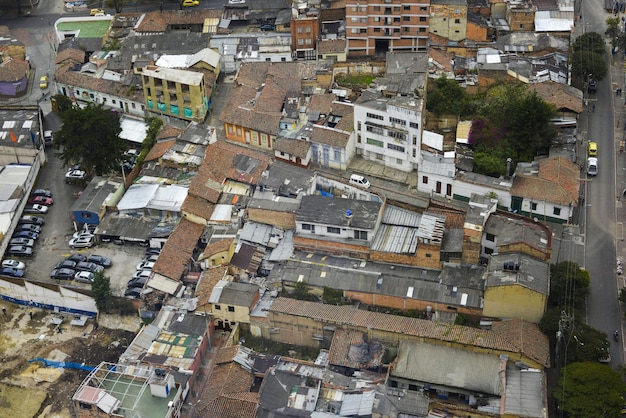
351	317
225	378
329	136
197	206
346	124
13	70
217	247
231	405
556	182
208	280
322	102
293	147
159	149
72	54
158	21
176	253
226	354
331	45
560	95
282	220
63	75
256	100
169	131
339	353
527	337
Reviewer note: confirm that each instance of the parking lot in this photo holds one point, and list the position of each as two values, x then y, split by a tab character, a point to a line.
53	243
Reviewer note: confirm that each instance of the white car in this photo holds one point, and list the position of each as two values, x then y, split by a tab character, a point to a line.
84	277
74	175
82	242
18	265
592	166
36	209
145	265
83	234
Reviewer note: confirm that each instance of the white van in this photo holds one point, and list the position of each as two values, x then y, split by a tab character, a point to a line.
359	181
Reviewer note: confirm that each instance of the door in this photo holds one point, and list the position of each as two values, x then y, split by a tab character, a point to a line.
325	156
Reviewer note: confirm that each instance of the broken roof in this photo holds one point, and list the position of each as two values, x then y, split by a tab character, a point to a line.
358	214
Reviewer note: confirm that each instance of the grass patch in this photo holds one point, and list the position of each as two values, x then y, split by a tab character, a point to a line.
355	80
262	345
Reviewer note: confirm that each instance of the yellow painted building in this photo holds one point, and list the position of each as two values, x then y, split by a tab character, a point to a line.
178	93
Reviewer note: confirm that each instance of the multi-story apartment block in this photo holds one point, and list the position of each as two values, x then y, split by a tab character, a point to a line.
390	131
304	34
378	26
173	92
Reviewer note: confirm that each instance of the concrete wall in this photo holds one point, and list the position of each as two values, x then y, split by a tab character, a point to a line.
514	301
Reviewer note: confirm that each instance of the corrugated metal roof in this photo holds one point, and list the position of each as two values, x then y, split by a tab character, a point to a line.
137	196
395	239
431	227
524	393
357	404
141	343
256	233
397	216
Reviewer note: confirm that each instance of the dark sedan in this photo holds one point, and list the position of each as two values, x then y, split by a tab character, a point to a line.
29	227
8	271
30	219
100	259
62	274
41	192
26	234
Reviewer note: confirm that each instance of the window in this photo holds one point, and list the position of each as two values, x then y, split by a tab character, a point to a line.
395	147
114	101
362	30
376	19
557	211
283	59
308	227
414	125
231	309
354	30
407	7
360	234
230	129
422	19
533	206
374	116
399	161
425	179
337	154
377	8
423	8
521	26
300	28
218	308
488	250
376	30
308	29
268	60
376	142
405	29
333	230
301	41
428	255
490	237
422	30
457	21
132	105
396	19
363	20
406	18
308	42
397	121
363	9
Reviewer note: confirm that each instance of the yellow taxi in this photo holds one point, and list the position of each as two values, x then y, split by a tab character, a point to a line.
43	82
190	3
96	12
592	149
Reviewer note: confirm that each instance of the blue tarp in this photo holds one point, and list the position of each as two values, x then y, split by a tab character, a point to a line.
62	364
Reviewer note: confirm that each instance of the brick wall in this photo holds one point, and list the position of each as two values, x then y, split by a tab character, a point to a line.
331	247
429	255
471	246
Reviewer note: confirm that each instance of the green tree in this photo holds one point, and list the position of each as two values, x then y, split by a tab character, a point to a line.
591	42
590	390
622	295
301	292
586	344
489	163
449	97
90	137
528	126
101	289
569	285
62	102
587	65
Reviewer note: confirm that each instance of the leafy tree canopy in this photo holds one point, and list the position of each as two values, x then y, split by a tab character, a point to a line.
90	137
449	97
590	41
590	390
569	285
586	64
101	289
586	344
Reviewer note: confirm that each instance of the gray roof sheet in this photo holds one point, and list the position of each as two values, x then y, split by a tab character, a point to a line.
524	393
332	211
448	366
532	273
395	239
397	216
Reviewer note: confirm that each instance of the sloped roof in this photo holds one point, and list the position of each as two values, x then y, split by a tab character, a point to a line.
495	339
561	96
158	21
556	182
74	54
13	70
178	249
293	147
159	149
65	75
329	136
322	102
527	337
208	280
331	45
198	207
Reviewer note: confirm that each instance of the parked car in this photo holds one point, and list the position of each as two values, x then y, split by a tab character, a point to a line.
15	264
26	242
592	149
48	138
96	12
65	264
153	251
190	3
101	260
26	234
9	271
84	277
74	175
152	258
62	274
267	27
20	251
141	274
41	192
40	200
133	292
36	209
359	181
592	86
77	258
29	227
85	234
82	242
138	282
131	153
29	219
43	82
592	166
145	265
91	267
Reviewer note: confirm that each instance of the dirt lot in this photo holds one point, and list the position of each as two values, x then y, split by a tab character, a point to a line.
33	390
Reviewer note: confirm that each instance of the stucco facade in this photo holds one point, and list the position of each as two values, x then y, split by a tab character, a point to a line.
514	302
